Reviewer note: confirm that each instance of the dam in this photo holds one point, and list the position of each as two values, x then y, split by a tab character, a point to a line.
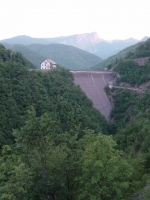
93	84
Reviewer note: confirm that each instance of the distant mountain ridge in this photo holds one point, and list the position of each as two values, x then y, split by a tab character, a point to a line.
139	52
90	42
112	59
64	55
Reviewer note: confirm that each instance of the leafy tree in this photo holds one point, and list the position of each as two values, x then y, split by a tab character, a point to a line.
15	178
47	164
132	73
52	157
106	173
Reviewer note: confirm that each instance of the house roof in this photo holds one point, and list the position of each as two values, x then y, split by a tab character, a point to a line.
50	61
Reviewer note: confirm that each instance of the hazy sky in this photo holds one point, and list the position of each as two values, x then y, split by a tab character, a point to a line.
111	19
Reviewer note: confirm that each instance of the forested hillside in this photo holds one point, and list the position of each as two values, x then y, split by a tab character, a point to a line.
32	56
140	49
64	55
8	55
107	63
52	92
130	74
131	112
55	146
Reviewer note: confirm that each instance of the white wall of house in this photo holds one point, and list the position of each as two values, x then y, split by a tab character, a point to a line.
48	64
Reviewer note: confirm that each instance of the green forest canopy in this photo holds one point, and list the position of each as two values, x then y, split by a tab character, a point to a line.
53	92
55	145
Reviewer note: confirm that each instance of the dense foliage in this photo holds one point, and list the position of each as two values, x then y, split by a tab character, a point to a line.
130	72
45	164
29	54
8	55
61	148
127	105
142	50
131	111
112	60
52	92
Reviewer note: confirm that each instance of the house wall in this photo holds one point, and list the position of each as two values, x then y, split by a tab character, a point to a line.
47	65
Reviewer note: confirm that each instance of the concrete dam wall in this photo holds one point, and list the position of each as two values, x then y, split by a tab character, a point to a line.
93	83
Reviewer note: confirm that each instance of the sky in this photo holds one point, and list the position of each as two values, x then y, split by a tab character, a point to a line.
111	19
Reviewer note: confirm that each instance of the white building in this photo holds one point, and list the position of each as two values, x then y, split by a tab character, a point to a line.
110	84
48	64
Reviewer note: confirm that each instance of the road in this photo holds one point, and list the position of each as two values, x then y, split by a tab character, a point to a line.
133	89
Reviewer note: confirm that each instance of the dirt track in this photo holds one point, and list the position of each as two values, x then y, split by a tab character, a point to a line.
93	83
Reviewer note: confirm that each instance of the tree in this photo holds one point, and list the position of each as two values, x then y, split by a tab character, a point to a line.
46	164
53	158
106	173
15	175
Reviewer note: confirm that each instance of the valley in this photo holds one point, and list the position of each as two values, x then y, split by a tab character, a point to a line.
64	55
69	135
90	42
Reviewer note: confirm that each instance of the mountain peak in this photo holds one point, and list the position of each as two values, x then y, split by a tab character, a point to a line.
93	37
85	37
145	38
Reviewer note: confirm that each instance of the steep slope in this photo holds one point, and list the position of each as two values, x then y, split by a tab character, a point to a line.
57	147
32	56
64	55
131	112
115	58
90	42
67	56
6	55
94	44
82	41
52	92
136	75
109	48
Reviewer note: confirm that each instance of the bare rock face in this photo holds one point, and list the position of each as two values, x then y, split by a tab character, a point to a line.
141	61
93	83
82	41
